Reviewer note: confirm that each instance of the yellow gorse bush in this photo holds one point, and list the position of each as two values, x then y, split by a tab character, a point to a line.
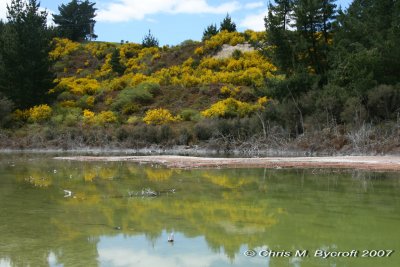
254	36
159	116
89	117
20	115
78	86
62	47
231	107
224	37
106	69
106	117
251	69
99	50
129	50
40	113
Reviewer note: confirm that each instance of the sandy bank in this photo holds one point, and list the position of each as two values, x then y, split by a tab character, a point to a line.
381	163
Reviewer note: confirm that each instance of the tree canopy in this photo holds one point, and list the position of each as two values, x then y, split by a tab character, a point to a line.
149	40
227	24
76	20
209	32
24	45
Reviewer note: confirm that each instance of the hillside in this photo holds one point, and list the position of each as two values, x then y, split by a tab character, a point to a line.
167	91
216	94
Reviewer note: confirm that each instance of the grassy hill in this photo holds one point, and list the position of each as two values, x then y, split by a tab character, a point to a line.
130	96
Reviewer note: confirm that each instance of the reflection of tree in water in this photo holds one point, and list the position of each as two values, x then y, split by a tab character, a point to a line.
363	180
230	208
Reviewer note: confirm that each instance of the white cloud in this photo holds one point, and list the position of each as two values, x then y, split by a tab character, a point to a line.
50	13
125	10
254	5
122	257
5	263
3	9
254	21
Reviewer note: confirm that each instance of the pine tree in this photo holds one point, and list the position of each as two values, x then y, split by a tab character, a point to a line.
76	20
279	37
209	32
313	18
227	24
150	40
366	45
115	62
25	78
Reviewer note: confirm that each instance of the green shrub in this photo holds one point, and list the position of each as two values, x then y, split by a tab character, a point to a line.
141	94
203	130
57	119
6	107
130	109
384	102
354	112
190	115
85	102
237	54
71	119
185	137
65	96
165	134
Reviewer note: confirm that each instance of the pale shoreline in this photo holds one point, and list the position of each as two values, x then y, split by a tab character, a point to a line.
375	163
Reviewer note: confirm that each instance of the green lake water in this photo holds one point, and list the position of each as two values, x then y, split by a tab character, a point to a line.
216	215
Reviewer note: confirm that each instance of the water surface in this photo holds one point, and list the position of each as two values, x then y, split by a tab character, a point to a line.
215	215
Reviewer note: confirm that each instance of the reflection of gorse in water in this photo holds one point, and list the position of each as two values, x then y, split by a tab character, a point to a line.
230	208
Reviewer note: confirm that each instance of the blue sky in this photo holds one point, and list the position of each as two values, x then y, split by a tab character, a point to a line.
171	21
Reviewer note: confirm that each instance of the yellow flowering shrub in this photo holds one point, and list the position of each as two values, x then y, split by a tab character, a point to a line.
21	115
88	116
254	36
231	91
211	63
120	83
144	57
262	101
99	50
78	86
231	107
106	69
106	117
251	69
188	80
159	116
133	120
199	51
90	101
224	37
62	47
40	113
129	50
252	76
188	63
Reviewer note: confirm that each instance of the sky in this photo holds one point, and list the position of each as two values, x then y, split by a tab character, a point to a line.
170	21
